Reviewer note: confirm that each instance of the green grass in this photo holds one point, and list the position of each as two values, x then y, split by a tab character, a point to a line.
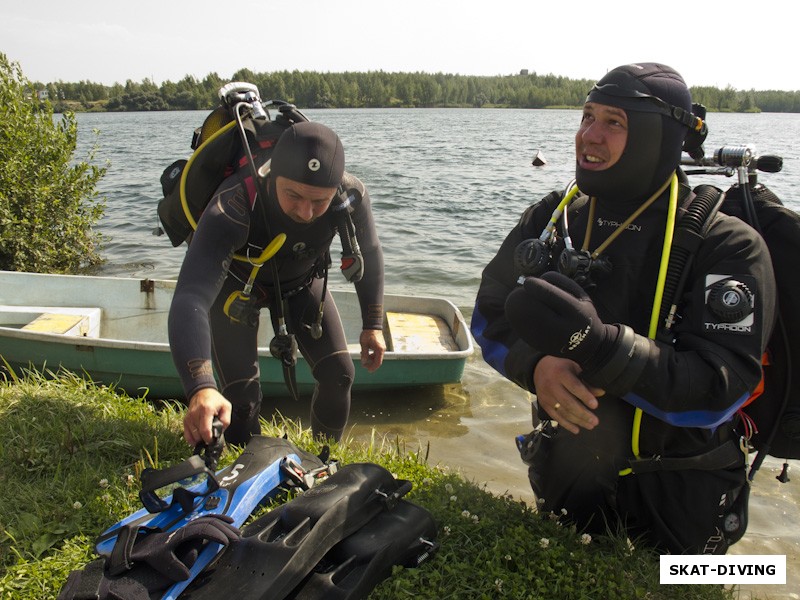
71	453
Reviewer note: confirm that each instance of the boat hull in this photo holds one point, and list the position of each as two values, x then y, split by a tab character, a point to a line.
119	335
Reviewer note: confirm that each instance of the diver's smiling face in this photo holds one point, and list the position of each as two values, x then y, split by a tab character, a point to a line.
601	137
301	202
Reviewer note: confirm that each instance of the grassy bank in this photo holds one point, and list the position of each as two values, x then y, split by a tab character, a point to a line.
71	454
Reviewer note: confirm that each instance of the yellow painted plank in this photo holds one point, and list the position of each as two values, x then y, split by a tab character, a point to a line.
417	333
54	323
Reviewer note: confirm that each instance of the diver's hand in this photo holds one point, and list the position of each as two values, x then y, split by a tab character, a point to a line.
372	349
203	407
564	395
554	315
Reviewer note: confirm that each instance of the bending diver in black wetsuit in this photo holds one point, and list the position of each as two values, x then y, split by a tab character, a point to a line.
301	181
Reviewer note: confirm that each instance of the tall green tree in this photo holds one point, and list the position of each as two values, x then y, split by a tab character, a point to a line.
48	201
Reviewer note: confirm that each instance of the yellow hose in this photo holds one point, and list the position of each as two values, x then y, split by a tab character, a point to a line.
659	295
185	202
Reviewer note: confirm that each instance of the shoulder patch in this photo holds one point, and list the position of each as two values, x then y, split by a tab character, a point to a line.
729	303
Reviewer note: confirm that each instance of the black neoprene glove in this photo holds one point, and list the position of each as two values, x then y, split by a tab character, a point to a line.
160	550
555	315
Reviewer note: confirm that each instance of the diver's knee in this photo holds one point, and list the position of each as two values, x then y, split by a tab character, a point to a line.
335	370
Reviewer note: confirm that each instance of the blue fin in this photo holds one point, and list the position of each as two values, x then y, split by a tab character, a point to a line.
264	465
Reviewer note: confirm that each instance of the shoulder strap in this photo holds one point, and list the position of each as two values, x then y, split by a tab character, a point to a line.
343	204
704	202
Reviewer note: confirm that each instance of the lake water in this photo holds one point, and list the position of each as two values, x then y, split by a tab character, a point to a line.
446	186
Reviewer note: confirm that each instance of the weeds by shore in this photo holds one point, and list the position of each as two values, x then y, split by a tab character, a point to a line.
72	452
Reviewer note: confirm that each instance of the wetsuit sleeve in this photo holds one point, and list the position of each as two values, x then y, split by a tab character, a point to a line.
706	375
370	288
221	230
500	345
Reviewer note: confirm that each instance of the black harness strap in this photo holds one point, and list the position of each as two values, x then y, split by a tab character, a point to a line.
727	456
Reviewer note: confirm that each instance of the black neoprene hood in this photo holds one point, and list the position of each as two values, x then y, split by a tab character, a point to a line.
310	153
647	92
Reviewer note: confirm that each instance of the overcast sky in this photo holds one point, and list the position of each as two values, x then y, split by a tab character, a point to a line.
113	41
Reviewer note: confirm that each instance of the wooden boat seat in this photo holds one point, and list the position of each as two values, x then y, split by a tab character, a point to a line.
418	334
61	320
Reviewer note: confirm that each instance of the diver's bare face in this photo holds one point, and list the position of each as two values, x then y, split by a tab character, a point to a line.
301	202
601	137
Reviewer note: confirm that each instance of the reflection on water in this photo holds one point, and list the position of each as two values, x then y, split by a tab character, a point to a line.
774	527
436	412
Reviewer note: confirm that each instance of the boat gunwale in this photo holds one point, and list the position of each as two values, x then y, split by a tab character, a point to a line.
442	308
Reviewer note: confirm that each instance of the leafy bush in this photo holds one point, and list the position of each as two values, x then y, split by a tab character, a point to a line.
48	202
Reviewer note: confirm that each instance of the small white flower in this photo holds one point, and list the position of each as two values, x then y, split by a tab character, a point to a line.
540	502
498	583
465	514
448	488
508	557
103	483
564	512
544	542
77	505
447	530
453	498
475	518
427	481
586	539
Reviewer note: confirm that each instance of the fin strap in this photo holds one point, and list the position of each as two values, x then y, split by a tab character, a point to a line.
120	559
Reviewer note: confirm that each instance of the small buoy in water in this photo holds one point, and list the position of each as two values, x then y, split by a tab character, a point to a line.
538	159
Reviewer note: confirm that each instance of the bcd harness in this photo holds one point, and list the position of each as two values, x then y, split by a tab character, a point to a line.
188	186
680	248
681	239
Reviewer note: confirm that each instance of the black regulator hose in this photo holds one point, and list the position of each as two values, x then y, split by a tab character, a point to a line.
688	236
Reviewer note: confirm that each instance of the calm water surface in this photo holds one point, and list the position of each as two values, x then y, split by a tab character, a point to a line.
446	186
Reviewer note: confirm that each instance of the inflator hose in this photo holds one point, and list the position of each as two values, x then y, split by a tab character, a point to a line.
688	237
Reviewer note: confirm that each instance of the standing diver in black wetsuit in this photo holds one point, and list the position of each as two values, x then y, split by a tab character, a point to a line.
636	432
305	171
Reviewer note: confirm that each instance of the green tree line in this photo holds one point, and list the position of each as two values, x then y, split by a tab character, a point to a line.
310	89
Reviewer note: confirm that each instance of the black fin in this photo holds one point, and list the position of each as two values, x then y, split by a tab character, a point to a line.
278	550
